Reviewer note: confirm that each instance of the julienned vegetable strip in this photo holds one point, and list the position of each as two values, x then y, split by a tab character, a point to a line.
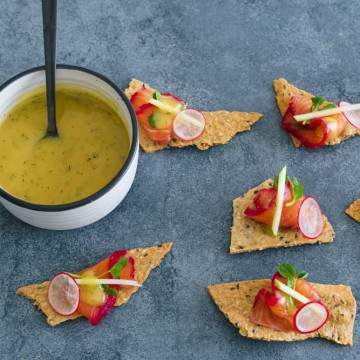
175	111
93	281
328	112
279	201
289	291
163	106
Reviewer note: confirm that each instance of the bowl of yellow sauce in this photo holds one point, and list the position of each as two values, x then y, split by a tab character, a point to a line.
74	179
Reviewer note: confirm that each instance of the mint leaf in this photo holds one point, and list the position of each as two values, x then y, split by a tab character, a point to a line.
316	102
286	270
297	189
302	275
109	290
319	103
289	272
116	269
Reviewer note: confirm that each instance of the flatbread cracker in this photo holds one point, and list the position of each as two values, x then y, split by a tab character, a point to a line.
249	235
284	91
354	210
221	126
146	259
235	301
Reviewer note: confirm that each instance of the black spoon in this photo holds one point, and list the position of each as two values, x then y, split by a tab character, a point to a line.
49	8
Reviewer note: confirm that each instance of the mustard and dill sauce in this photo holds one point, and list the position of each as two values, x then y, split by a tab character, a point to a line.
92	147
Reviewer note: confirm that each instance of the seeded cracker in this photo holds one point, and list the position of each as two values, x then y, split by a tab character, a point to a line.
221	126
354	210
146	259
235	301
284	91
249	235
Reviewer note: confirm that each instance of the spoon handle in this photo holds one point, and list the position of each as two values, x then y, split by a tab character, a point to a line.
49	9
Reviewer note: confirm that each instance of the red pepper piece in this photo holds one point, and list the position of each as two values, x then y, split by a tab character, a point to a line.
141	97
115	257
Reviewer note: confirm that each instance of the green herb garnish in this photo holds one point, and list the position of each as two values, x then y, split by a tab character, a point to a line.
109	290
152	121
302	275
328	106
289	272
319	103
297	188
116	269
156	95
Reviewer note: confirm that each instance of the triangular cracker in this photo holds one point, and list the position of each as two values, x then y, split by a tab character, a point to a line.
146	259
354	210
221	126
284	91
235	300
249	235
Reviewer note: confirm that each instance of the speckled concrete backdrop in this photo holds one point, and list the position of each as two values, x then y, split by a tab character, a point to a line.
216	54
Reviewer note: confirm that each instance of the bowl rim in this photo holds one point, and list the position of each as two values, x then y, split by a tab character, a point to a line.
117	177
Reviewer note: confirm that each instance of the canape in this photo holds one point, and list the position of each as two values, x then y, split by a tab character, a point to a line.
165	120
94	291
288	307
317	130
277	213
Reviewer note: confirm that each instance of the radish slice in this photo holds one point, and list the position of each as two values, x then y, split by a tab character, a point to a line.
353	117
189	124
311	317
64	294
310	219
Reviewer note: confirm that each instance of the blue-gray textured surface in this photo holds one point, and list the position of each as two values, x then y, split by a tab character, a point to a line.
217	55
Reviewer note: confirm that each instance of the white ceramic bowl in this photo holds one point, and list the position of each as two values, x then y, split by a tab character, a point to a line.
96	206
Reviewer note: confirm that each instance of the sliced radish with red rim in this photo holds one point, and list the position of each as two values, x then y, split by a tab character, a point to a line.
310	219
353	117
310	317
64	294
189	124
